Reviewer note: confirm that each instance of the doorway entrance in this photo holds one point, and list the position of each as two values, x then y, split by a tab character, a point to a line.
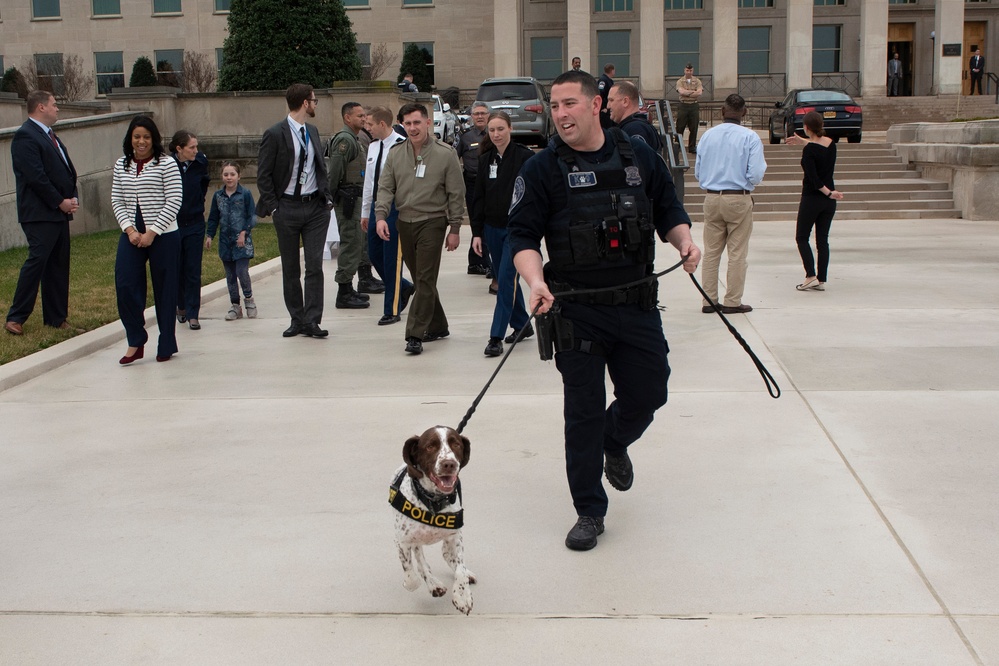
900	37
974	38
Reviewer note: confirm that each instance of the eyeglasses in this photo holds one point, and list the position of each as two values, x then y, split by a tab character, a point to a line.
480	113
313	100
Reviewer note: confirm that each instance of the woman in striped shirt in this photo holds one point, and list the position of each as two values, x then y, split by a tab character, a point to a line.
146	193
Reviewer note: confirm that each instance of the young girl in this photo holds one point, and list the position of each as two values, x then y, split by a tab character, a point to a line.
233	215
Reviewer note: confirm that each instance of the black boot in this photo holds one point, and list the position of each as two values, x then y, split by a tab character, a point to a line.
346	298
368	283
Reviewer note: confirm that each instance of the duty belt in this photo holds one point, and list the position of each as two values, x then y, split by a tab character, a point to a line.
636	295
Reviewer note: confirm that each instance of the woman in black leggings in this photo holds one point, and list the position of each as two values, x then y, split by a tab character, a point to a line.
818	199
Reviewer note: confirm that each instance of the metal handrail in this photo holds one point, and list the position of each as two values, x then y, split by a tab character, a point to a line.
847	81
991	78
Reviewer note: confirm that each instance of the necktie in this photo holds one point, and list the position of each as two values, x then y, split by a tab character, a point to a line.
378	171
54	142
301	162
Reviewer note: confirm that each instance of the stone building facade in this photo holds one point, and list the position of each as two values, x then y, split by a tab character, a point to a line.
756	47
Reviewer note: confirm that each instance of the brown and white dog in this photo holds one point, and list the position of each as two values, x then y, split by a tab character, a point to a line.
426	494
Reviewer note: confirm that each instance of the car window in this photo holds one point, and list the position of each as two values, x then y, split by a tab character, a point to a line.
811	96
437	105
789	100
494	92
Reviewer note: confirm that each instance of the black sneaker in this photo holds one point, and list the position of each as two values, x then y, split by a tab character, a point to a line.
619	471
494	348
414	346
437	335
477	269
583	535
513	336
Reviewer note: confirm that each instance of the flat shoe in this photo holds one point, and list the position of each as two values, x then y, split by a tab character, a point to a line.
808	285
194	324
181	317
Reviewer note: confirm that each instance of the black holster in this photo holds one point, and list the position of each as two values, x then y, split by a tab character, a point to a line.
347	198
554	333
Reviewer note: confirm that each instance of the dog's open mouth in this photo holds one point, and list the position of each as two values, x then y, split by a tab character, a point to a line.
445	484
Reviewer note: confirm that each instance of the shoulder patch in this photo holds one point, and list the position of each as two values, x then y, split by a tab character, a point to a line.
342	148
519	187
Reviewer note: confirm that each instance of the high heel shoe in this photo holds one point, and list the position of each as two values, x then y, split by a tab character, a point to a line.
126	359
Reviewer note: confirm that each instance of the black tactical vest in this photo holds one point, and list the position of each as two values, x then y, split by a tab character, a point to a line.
607	225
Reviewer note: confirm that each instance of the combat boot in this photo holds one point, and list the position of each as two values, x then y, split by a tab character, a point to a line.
368	283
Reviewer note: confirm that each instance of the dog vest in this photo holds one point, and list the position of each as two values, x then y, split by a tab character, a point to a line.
445	520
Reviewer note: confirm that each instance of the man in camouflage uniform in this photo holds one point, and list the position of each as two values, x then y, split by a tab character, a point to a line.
347	151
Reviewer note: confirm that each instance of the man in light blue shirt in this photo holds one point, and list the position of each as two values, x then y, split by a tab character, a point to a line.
729	166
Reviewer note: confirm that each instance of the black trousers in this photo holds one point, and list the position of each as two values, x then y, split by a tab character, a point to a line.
976	80
299	224
47	265
815	211
130	286
635	359
192	247
474	259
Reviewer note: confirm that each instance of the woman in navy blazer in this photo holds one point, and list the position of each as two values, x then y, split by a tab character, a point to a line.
146	193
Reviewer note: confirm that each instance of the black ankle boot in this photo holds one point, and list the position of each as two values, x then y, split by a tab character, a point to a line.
367	283
346	298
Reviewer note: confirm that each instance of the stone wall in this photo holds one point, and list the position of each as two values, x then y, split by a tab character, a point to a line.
965	155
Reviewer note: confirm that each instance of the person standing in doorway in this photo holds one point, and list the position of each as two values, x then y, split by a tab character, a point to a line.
894	75
977	67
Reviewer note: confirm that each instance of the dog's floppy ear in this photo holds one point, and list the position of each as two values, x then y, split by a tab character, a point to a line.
409	456
466	450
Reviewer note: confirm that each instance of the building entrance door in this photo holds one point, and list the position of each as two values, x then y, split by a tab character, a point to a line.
974	38
900	37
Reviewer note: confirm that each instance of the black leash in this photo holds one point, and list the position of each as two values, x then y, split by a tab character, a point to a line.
768	379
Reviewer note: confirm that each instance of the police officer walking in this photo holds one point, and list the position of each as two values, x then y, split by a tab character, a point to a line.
598	199
347	152
467	147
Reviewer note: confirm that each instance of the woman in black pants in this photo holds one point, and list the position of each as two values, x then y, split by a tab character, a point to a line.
818	199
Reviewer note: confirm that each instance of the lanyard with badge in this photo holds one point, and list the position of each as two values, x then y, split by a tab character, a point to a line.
421	168
305	149
494	168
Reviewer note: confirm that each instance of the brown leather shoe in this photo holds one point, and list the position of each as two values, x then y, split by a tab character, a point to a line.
707	309
737	309
14	328
66	327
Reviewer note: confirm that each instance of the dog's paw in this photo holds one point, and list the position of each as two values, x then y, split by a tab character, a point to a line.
438	591
461	597
471	578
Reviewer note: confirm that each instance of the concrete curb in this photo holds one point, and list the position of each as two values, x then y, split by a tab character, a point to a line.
25	369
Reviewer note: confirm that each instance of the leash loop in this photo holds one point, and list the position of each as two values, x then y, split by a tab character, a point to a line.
768	379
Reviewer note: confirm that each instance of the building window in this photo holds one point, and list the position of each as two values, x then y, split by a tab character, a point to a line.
222	6
819	3
407	3
50	72
682	46
614	46
106	7
756	3
110	70
364	55
355	3
169	67
219	58
428	53
166	6
546	58
826	48
684	4
754	50
45	9
901	2
613	5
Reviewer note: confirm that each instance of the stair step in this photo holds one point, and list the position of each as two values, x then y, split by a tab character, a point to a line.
900	214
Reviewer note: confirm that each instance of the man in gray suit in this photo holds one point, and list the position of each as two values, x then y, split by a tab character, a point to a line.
894	75
293	184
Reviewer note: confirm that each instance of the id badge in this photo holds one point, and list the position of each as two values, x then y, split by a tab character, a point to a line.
301	178
421	169
493	170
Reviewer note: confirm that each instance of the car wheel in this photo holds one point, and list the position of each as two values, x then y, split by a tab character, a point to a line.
788	129
773	139
854	139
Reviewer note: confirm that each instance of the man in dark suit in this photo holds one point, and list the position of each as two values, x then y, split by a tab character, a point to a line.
977	67
46	200
293	185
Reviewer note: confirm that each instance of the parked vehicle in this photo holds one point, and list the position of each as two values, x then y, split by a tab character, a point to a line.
444	120
841	115
526	101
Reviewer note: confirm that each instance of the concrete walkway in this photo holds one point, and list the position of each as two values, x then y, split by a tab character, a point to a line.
229	507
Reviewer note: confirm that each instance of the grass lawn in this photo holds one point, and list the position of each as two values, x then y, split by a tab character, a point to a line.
91	287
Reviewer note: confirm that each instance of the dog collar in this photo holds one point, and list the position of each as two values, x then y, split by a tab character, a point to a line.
433	517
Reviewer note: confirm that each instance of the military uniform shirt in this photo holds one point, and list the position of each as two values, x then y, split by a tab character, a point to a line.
439	193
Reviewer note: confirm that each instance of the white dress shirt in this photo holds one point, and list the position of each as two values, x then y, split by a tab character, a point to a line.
309	186
367	196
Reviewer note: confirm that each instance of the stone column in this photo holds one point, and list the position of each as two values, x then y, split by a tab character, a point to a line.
949	29
507	39
578	33
650	45
799	44
724	48
874	48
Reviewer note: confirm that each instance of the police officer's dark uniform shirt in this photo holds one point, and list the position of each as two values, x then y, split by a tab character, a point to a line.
541	192
638	125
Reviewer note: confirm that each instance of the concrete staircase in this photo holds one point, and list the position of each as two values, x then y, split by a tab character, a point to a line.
875	182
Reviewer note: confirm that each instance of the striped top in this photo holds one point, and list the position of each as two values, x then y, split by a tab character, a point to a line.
157	190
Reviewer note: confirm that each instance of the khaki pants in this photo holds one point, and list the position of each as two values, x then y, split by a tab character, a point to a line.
422	244
728	223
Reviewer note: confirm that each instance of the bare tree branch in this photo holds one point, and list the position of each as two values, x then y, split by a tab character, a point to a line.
199	73
381	60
